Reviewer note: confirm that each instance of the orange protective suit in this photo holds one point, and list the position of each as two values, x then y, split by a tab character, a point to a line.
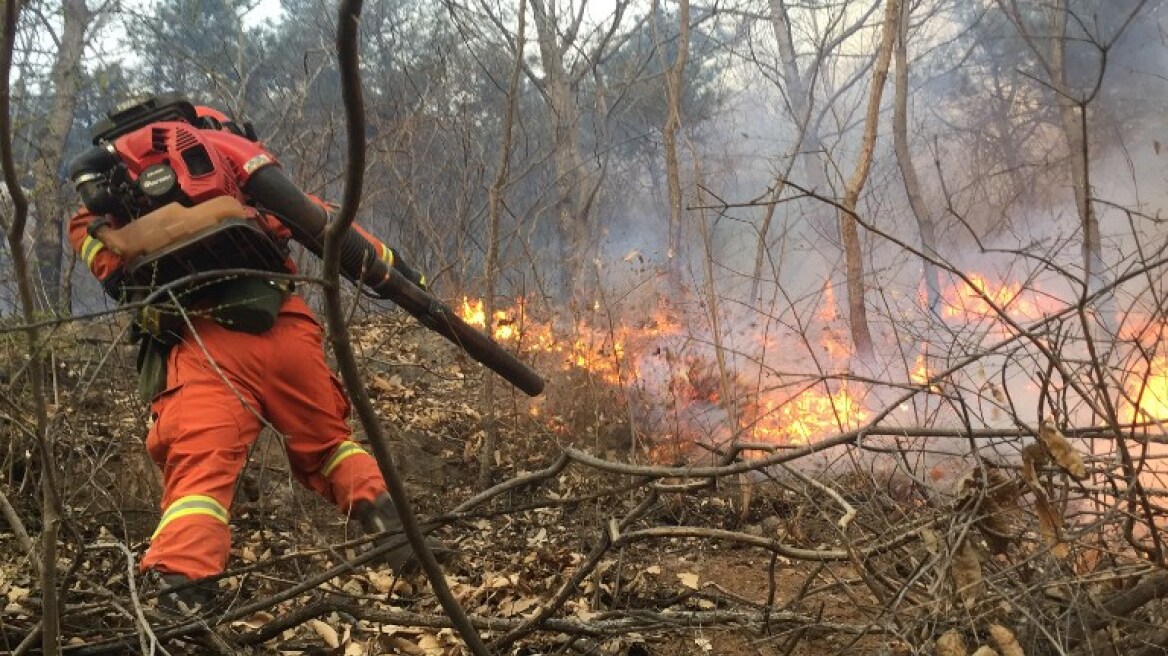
221	389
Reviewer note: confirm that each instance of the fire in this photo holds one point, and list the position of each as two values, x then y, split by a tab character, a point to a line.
827	311
1150	388
809	414
473	312
657	358
604	352
920	373
975	300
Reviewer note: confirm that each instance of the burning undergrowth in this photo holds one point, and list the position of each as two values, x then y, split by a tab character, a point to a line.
662	382
771	379
651	381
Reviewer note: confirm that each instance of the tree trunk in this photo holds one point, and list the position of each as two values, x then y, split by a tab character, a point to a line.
674	75
495	212
51	203
38	362
808	147
800	103
1072	121
1073	128
849	234
571	214
908	172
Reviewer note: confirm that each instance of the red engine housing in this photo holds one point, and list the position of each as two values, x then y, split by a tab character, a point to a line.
206	164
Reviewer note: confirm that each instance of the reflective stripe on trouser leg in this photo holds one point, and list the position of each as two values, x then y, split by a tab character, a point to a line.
195	504
344	450
193	538
353	475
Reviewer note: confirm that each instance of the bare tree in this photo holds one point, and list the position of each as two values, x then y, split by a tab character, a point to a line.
1048	40
808	99
495	210
674	75
348	21
849	234
50	502
912	186
50	198
577	182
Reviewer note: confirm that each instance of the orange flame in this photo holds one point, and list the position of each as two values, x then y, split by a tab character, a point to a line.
602	352
1150	387
920	373
616	355
975	300
810	414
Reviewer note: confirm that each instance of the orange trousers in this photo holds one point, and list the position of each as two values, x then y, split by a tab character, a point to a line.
218	395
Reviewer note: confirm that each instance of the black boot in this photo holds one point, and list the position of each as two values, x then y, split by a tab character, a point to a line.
379	517
182	596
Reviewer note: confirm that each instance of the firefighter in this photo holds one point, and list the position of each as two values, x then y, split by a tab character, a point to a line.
215	381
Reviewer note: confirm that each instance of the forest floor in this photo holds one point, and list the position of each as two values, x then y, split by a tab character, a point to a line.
668	570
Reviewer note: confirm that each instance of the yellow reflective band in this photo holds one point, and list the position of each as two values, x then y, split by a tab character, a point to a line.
387	255
343	451
195	504
89	249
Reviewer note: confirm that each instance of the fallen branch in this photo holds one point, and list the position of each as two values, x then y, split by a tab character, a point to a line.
603	625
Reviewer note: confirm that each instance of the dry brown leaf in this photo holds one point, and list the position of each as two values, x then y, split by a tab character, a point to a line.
1061	450
966	572
1033	457
688	579
985	651
326	633
254	622
431	645
1006	642
1050	526
951	644
513	607
931	540
999	507
16	594
380	581
995	499
399	645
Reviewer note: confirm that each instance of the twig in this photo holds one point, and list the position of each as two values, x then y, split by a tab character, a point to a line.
606	624
147	631
29	640
21	533
348	18
849	509
514	483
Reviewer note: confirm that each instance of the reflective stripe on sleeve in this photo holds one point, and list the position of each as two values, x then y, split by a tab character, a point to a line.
89	250
343	451
195	504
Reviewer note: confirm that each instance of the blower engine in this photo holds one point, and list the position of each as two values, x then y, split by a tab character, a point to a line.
151	160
